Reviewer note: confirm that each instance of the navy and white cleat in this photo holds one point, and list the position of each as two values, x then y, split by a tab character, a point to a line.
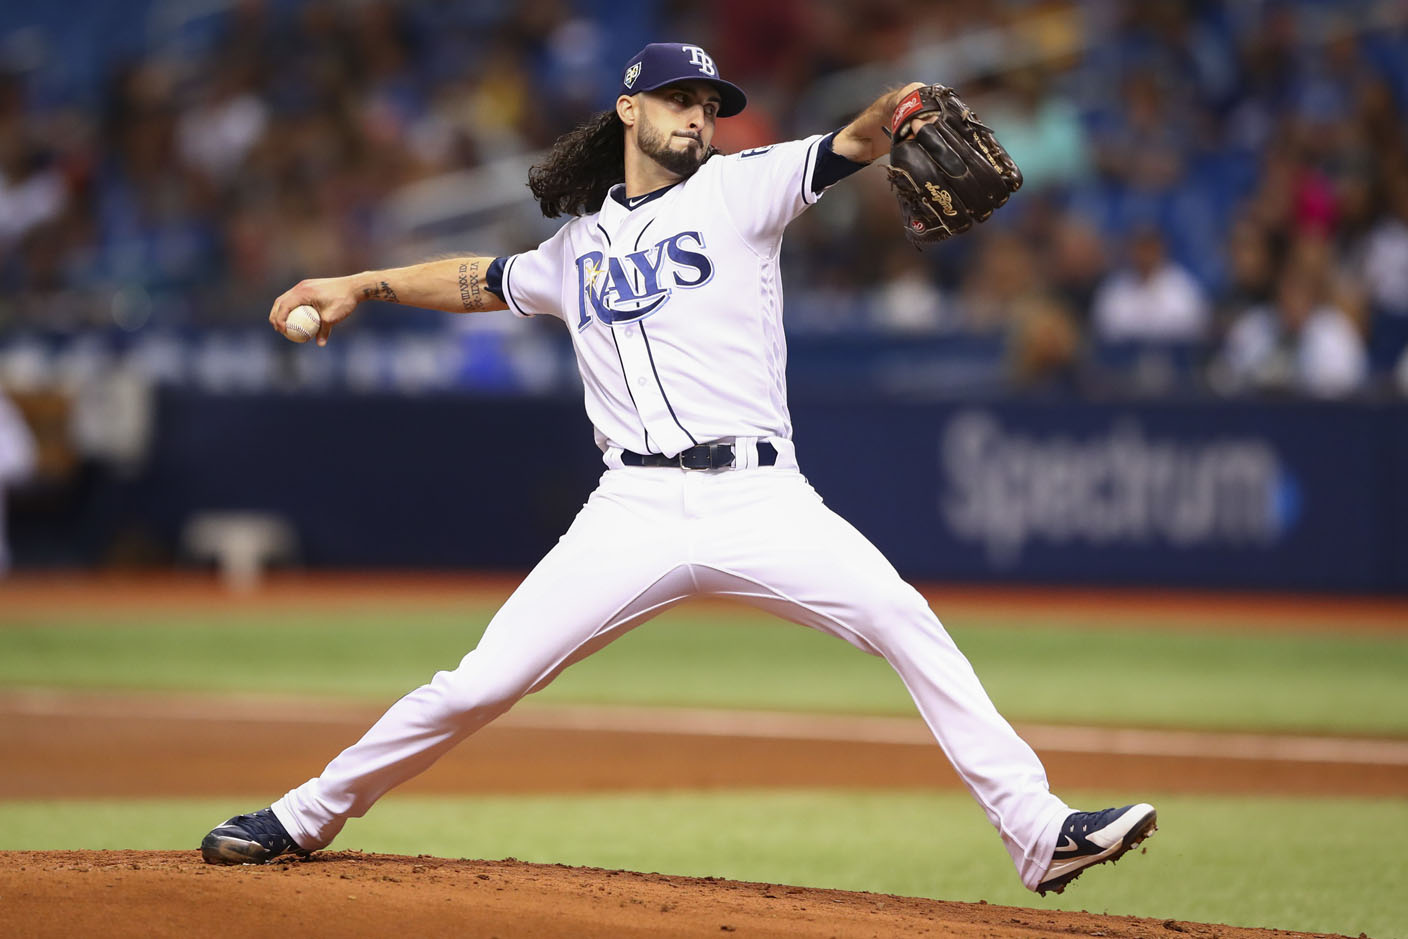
1090	838
255	838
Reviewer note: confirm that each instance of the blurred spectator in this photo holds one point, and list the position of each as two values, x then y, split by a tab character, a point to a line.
1315	255
1076	263
1004	277
1295	197
907	300
765	40
1044	346
1006	295
217	134
1040	129
268	140
1251	270
499	103
1384	256
1300	343
31	192
1152	299
1268	54
17	461
1144	146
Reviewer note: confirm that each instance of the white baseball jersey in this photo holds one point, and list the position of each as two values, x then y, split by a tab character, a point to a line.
675	308
674	302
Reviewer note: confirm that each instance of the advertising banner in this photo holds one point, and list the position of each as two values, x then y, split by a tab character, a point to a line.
1293	495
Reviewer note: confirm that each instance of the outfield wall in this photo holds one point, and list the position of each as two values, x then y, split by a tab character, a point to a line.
1285	496
1290	495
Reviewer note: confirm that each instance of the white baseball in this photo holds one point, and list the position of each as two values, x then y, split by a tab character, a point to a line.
302	323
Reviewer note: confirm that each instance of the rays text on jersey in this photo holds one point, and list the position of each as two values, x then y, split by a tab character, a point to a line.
622	289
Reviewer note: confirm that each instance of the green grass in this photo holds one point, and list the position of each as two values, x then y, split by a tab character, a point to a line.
1180	677
1247	861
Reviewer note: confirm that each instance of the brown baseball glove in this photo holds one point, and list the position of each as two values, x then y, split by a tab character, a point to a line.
948	173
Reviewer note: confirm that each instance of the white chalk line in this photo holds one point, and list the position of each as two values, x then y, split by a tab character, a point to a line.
771	725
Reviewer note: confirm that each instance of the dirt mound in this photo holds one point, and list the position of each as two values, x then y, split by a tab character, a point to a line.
347	893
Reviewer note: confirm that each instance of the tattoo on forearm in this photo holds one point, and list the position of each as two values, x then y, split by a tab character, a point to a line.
471	298
381	291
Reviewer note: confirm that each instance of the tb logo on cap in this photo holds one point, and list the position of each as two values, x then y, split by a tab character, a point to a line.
700	60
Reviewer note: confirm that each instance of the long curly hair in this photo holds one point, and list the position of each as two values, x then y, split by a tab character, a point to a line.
582	166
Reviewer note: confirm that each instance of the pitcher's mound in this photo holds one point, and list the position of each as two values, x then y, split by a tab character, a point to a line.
348	893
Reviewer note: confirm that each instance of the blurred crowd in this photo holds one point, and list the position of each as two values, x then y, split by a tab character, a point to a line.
1216	197
1216	193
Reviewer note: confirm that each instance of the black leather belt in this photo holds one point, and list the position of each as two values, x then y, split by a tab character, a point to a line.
703	457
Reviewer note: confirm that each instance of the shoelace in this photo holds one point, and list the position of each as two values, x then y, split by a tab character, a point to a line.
1085	819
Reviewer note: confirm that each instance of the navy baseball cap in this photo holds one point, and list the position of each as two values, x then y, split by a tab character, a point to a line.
664	63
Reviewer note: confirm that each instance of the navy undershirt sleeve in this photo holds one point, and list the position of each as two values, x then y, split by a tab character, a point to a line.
831	167
494	278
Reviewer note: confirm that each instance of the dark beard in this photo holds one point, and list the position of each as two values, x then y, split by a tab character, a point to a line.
683	163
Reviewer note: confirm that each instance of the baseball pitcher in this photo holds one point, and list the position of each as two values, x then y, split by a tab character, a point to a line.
666	277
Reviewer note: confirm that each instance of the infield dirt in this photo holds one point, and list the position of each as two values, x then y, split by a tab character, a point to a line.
169	893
